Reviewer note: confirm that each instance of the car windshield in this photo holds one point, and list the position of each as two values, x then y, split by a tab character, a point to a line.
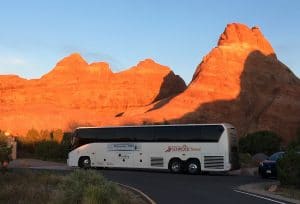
276	156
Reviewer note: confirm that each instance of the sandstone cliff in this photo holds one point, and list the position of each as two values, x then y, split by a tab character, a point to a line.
75	91
242	82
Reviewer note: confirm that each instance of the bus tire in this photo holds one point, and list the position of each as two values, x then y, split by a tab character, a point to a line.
84	162
176	165
193	166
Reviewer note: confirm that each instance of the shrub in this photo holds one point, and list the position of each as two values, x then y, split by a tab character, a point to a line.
49	150
53	145
295	143
260	142
289	169
245	159
5	150
52	149
66	143
88	187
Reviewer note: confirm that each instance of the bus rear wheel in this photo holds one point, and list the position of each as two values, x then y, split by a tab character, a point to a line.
84	162
193	166
175	166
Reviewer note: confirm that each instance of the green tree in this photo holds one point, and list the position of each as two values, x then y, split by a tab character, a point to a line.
295	143
289	169
260	142
5	150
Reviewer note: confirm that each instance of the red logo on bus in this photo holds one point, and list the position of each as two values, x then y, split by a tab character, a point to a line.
181	148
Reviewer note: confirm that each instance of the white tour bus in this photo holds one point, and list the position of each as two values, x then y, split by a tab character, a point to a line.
192	148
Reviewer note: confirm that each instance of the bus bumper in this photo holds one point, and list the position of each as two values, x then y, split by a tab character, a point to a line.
71	161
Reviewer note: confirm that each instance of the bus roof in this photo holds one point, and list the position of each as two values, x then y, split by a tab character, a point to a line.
227	125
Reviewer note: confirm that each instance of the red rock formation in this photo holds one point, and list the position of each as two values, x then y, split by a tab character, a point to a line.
240	81
85	93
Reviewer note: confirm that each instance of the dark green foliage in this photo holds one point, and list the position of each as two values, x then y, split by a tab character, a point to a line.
46	145
245	160
27	144
260	142
49	150
52	149
289	169
295	143
5	150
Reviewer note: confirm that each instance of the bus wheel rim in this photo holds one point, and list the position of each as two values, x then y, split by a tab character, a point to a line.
193	168
86	162
176	167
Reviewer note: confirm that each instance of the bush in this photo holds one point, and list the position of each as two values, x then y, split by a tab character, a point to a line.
245	160
260	142
53	145
289	169
5	150
88	187
52	149
49	150
295	143
50	187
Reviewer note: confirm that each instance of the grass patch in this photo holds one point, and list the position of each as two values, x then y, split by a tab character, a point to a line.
290	192
87	187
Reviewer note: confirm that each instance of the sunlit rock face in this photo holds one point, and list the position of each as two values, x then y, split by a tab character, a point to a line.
77	92
242	82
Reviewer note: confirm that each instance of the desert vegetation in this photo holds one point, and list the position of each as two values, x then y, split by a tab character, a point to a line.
44	144
80	186
262	142
266	142
289	165
5	151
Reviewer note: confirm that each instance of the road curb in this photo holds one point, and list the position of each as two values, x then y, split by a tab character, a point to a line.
257	188
141	193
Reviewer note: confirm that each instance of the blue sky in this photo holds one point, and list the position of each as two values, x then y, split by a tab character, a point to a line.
34	35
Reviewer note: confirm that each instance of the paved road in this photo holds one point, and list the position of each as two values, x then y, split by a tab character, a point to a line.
164	187
187	189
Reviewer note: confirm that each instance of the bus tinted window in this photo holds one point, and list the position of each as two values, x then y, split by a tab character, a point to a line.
188	133
172	133
165	133
211	132
143	134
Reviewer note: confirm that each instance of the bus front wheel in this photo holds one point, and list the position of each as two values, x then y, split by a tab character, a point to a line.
84	162
175	166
